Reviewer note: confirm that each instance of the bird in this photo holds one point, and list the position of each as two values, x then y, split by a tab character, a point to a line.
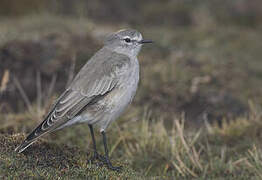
99	93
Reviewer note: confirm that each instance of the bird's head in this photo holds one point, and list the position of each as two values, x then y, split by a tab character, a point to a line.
128	42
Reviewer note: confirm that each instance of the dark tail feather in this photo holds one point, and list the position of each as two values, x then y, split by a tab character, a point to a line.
23	146
31	138
38	132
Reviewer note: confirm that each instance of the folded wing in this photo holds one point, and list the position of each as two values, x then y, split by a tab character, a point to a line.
96	79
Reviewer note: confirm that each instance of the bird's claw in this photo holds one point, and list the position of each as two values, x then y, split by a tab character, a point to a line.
103	161
114	168
96	156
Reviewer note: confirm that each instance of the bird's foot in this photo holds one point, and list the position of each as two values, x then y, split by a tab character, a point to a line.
110	166
95	157
103	161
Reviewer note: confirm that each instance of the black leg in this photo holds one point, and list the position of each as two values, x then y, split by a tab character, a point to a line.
108	163
95	155
93	137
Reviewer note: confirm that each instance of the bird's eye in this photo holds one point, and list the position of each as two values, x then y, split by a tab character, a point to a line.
128	40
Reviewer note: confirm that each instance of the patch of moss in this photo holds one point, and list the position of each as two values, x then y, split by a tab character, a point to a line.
47	160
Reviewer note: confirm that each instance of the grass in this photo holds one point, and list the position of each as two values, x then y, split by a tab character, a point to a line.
49	161
197	113
145	148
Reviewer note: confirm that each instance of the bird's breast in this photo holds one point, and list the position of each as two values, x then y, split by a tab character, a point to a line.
124	93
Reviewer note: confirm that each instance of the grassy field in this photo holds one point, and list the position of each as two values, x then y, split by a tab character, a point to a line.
145	149
197	112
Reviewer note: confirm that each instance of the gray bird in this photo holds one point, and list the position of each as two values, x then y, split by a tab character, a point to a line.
99	93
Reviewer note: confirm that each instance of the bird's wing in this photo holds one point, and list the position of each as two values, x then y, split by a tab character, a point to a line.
96	79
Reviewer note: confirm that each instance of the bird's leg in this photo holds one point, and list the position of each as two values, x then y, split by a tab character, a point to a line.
107	160
95	155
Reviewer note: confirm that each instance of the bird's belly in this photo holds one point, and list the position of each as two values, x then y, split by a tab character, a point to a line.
114	103
117	100
120	98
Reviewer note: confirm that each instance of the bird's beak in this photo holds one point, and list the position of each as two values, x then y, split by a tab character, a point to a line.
143	41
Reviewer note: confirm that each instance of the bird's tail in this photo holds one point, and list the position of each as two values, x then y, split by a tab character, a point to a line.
23	146
31	138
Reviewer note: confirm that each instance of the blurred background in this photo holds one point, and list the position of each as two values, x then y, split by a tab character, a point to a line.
204	68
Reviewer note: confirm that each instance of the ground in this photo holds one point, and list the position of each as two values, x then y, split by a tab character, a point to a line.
49	161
